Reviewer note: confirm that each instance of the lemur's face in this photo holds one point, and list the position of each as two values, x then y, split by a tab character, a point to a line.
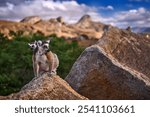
33	45
40	47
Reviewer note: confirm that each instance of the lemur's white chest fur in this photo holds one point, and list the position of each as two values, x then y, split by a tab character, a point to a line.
42	61
39	58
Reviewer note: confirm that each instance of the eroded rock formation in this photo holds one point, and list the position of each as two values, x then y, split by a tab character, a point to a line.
31	19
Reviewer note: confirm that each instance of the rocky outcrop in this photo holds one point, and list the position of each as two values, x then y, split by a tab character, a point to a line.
129	29
31	19
46	88
117	67
85	21
60	19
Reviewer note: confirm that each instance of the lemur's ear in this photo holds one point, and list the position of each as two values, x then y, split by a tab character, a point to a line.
48	40
32	45
29	44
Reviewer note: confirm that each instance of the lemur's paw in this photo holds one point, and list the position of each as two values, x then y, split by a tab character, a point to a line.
51	74
54	72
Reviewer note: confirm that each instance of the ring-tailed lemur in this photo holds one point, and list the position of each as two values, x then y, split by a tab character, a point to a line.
43	59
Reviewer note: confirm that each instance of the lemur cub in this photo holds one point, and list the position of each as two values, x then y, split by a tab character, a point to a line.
43	59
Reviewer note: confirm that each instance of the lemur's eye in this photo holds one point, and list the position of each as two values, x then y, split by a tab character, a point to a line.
45	46
33	46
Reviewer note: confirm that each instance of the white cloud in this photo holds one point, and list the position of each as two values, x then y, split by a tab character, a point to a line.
138	17
134	18
109	7
70	10
9	6
73	11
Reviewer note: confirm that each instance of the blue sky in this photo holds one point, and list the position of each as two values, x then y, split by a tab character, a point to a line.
121	13
118	4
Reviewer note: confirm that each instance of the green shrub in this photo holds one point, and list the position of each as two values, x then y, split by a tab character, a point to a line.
16	59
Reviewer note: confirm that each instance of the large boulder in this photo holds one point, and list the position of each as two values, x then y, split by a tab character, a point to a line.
117	67
46	88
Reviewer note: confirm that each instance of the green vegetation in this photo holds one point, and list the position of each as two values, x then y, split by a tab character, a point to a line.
16	59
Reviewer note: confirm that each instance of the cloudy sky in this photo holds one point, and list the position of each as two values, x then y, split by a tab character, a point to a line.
122	13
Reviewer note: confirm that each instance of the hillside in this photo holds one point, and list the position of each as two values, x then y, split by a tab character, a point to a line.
85	29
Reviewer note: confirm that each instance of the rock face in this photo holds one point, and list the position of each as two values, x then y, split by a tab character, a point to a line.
46	88
117	67
31	19
130	49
